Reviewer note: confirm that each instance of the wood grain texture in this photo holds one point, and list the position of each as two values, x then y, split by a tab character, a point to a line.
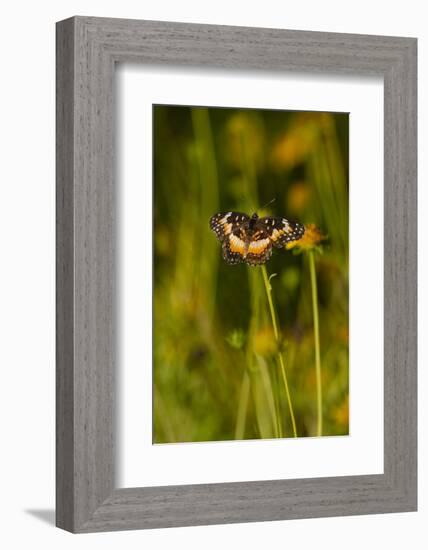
64	276
87	49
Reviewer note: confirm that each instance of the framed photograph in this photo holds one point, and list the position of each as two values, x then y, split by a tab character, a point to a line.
236	274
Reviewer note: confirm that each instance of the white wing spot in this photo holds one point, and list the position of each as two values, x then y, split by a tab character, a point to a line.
224	218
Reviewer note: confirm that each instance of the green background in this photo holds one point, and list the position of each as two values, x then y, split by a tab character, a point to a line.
216	374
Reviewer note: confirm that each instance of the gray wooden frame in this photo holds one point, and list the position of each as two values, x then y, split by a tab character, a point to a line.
87	50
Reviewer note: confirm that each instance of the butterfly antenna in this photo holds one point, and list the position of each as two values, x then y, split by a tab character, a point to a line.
268	203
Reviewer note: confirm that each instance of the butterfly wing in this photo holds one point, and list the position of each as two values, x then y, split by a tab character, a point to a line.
239	247
225	223
260	248
282	231
234	249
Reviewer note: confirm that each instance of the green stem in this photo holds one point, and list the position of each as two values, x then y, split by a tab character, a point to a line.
208	189
242	407
277	406
311	257
268	288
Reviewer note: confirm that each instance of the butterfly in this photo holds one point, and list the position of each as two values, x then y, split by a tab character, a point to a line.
251	239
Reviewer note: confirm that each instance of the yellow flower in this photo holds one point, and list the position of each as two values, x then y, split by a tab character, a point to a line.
311	238
299	195
341	413
244	139
264	342
343	334
299	140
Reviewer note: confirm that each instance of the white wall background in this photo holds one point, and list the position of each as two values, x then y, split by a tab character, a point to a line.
27	272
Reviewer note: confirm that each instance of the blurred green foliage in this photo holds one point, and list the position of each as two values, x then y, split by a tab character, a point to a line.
215	371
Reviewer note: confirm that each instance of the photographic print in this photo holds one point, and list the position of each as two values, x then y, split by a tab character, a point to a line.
251	274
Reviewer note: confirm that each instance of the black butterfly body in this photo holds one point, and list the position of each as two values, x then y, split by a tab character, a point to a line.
251	240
